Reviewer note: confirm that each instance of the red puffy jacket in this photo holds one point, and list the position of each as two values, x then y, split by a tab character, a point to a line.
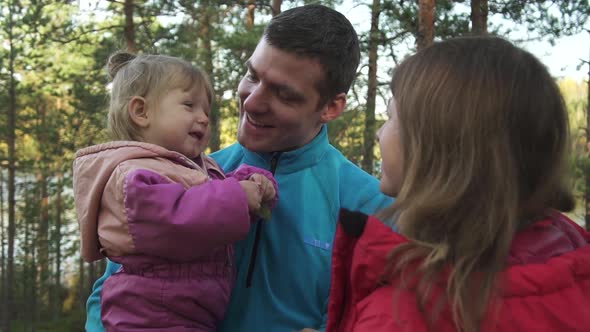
546	283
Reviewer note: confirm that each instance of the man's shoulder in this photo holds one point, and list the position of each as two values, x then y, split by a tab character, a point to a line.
359	190
347	169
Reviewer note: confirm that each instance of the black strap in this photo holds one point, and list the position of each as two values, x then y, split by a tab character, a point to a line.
353	222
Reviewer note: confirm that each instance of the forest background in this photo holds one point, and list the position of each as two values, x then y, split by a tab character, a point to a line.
53	94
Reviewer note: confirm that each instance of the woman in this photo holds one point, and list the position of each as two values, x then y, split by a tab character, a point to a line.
475	153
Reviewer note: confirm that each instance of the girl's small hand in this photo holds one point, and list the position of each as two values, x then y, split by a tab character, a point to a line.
267	189
253	192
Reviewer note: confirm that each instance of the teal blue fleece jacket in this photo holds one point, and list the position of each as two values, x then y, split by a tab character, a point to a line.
285	284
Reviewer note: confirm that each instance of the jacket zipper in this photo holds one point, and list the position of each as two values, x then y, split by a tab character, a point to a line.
273	167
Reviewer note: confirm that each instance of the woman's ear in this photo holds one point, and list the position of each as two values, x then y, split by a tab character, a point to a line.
137	109
333	108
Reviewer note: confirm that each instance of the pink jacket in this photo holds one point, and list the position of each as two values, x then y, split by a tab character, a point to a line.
171	222
124	192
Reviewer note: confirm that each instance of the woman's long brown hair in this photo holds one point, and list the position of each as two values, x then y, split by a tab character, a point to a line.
485	133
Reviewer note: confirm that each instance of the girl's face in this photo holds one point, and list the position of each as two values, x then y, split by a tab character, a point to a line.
180	121
391	152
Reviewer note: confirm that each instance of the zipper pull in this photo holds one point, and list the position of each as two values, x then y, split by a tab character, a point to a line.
274	161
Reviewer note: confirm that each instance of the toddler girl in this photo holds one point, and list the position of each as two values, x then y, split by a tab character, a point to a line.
153	202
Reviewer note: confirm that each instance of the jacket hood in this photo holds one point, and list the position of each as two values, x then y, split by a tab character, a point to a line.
93	166
548	255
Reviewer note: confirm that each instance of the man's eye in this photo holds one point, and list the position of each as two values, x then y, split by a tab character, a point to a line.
289	96
251	77
188	104
284	95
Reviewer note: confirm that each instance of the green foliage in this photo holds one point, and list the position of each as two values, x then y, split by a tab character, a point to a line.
550	19
346	134
575	97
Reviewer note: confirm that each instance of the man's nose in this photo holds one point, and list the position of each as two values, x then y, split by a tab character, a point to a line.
255	99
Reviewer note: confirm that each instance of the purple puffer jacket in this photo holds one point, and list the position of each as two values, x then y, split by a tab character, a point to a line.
170	221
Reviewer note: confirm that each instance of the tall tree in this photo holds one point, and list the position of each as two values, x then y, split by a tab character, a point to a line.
129	30
207	54
11	139
3	284
30	211
425	23
42	238
276	7
479	16
57	297
81	289
251	7
370	124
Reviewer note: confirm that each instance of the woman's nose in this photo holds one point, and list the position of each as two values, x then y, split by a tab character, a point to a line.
378	133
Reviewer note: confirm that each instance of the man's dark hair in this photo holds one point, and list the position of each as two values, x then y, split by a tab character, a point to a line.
322	33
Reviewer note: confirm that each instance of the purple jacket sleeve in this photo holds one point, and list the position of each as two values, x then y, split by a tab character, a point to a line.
167	220
244	172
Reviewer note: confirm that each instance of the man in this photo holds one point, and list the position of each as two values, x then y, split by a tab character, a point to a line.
297	81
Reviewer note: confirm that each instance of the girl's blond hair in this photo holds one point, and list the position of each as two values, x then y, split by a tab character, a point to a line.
484	132
148	76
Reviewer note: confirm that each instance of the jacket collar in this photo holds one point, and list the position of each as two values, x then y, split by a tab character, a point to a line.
292	161
559	244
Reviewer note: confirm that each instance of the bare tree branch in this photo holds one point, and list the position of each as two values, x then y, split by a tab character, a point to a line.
83	33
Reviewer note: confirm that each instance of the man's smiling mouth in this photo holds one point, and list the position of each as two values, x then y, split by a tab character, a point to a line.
256	123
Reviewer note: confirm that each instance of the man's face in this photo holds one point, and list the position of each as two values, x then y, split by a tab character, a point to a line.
279	101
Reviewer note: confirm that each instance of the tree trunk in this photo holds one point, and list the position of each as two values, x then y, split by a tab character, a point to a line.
36	286
33	299
369	131
276	7
250	14
479	17
129	31
42	241
91	278
3	311
42	244
425	23
58	215
29	274
206	36
81	284
11	138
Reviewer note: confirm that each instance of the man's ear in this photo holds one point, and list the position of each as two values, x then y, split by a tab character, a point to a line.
137	109
333	108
